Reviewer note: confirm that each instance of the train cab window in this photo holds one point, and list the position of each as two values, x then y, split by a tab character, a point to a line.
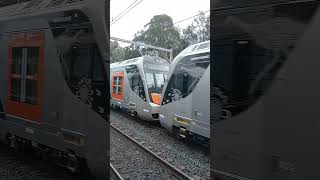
186	76
82	59
150	80
80	63
249	62
166	77
97	66
160	80
135	81
155	82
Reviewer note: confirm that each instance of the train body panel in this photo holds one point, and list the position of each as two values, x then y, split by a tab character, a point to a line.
185	103
265	69
47	95
141	81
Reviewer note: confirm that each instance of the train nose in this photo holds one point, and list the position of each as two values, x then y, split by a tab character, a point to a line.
154	111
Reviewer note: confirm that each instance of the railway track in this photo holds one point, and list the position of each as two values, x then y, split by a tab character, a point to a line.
192	159
168	171
114	174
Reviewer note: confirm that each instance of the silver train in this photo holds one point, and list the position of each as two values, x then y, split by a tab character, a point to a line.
185	103
53	82
266	69
136	85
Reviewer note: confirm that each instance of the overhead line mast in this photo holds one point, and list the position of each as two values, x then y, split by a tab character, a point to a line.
145	45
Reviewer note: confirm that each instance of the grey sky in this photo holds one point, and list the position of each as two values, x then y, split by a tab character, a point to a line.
135	20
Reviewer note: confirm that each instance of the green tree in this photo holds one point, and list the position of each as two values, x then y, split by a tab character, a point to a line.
117	52
199	30
160	32
131	52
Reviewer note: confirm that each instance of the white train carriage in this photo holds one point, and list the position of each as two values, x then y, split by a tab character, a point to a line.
185	104
136	85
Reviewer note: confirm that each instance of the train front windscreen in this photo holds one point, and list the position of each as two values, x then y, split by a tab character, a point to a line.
155	79
186	75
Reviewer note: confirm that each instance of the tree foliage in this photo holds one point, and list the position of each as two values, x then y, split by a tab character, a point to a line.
161	32
199	30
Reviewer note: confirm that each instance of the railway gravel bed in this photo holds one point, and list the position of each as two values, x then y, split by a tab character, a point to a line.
23	166
134	163
193	161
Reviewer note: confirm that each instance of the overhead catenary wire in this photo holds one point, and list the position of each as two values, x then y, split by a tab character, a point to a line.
190	17
126	12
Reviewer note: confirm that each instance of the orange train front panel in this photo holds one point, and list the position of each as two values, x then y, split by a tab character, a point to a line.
25	77
156	98
118	85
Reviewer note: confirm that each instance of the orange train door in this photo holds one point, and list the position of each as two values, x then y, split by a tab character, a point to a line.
25	57
118	85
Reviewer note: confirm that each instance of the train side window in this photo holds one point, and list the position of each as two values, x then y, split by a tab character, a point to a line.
16	73
15	89
119	85
24	70
115	82
32	61
32	71
16	60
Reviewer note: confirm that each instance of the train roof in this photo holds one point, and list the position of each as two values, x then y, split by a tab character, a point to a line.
37	7
139	60
195	48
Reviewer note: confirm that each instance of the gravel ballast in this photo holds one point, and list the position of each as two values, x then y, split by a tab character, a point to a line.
191	160
24	166
132	162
